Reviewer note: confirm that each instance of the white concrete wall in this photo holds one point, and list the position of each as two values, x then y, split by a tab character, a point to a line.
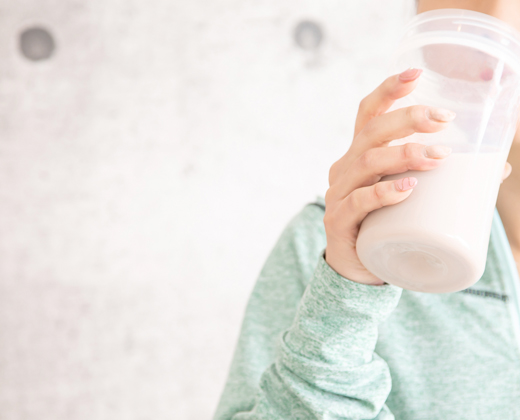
146	169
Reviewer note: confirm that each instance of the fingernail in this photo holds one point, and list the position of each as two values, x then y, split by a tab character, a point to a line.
437	151
440	115
409	75
405	184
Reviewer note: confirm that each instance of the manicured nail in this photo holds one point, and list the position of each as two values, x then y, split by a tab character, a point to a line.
437	151
410	75
405	184
440	115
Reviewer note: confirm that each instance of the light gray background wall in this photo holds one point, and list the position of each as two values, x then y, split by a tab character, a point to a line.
146	169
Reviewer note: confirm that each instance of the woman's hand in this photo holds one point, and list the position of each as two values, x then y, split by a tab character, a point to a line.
355	186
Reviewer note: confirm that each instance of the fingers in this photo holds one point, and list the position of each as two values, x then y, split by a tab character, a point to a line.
507	171
382	98
393	125
362	201
403	123
375	163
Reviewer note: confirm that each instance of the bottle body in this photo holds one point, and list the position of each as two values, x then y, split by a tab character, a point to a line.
437	239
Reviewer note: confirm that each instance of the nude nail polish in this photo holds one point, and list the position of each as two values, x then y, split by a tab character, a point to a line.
440	115
410	75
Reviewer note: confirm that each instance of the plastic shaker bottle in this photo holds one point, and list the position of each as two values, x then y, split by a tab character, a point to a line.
437	239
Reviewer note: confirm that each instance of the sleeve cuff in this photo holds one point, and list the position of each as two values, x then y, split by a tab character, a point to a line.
368	298
335	314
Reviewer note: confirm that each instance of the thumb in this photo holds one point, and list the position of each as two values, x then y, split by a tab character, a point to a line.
507	171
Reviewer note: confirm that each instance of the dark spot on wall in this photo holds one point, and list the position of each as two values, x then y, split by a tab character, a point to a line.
308	35
36	44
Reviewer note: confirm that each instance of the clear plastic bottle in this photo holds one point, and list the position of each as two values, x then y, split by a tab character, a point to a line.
437	239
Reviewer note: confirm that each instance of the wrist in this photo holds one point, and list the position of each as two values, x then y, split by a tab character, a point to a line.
351	270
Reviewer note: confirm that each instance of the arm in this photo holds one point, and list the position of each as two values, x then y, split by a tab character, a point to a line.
323	364
271	308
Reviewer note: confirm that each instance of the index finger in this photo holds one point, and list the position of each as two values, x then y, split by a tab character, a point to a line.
383	97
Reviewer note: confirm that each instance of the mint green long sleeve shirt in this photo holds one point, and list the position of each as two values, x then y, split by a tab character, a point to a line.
315	345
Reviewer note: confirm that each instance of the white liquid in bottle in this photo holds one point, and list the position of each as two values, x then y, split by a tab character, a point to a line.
436	240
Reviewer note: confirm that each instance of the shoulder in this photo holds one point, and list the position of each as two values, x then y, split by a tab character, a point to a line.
308	221
306	227
301	243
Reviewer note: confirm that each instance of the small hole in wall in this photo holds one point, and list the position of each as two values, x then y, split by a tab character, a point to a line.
36	44
308	35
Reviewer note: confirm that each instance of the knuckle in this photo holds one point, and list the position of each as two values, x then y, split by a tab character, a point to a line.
353	201
328	197
363	104
418	119
328	221
409	151
416	115
370	127
366	159
379	195
412	156
333	173
411	114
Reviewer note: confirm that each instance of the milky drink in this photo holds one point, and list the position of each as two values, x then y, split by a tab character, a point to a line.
436	240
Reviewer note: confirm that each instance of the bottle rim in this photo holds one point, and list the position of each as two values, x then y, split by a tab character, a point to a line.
472	17
508	50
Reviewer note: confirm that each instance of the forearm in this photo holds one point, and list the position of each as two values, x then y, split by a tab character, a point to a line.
325	365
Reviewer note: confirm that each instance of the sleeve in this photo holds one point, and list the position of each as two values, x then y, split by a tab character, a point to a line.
311	356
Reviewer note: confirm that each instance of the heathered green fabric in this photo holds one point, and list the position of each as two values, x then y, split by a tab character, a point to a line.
315	345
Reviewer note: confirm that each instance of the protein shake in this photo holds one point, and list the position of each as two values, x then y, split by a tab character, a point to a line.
437	239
